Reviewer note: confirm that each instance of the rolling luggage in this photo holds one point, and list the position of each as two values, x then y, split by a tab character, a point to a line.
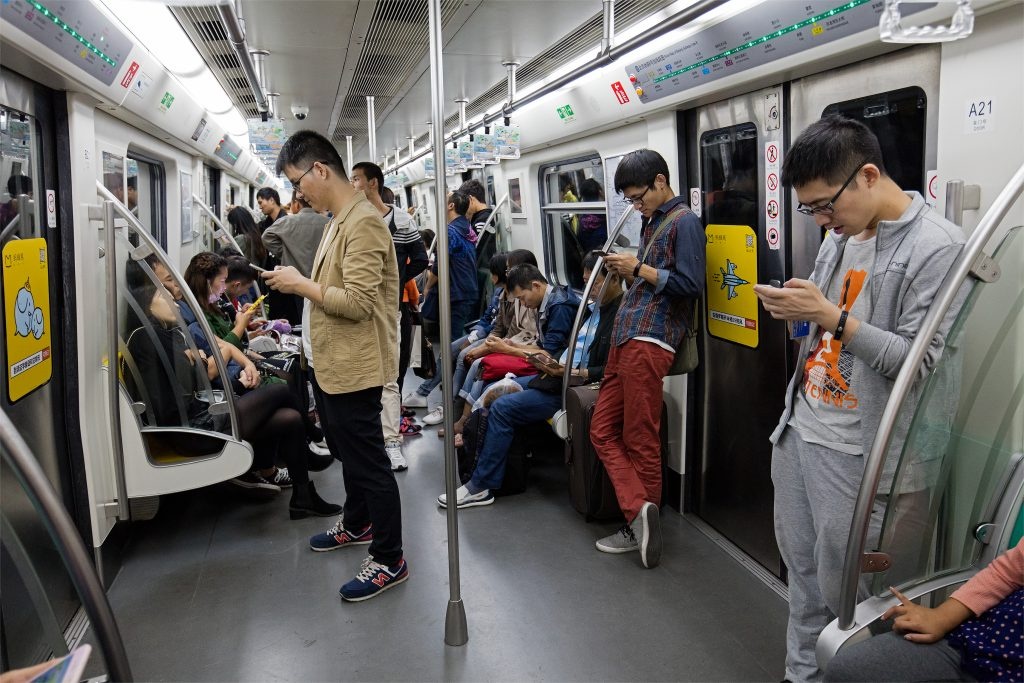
590	489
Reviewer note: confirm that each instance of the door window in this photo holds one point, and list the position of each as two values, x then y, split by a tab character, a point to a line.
574	216
898	119
19	168
145	196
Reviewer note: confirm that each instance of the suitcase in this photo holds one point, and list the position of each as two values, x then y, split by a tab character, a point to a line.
590	490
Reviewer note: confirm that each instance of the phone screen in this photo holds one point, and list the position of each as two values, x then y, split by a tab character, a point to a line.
67	669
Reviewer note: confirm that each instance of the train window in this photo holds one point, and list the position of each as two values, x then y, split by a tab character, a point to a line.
574	215
729	176
19	165
146	196
898	118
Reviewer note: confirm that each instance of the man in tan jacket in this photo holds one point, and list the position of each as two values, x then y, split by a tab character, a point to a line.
353	294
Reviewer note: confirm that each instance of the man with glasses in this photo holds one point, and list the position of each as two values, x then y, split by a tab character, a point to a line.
649	326
353	296
874	279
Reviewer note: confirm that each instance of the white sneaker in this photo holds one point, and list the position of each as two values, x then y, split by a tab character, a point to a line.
465	499
394	451
415	400
319	447
434	417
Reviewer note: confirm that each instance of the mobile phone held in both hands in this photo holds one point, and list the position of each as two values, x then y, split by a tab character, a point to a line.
797	328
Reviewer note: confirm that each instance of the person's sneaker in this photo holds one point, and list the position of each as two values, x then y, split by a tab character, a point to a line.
252	481
340	537
622	541
646	528
373	579
319	447
465	499
415	400
394	451
434	417
407	412
281	478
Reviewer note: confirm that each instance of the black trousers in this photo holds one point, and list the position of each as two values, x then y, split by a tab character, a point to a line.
269	418
404	343
351	423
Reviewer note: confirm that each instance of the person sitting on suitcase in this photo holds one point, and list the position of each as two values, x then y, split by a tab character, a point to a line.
650	324
556	307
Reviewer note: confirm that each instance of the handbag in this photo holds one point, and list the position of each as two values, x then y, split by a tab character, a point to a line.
686	359
497	365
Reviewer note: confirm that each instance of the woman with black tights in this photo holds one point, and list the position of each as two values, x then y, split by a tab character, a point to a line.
268	416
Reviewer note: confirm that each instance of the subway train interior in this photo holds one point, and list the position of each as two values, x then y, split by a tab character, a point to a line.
130	129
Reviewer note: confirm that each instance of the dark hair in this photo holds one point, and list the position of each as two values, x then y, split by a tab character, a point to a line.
307	147
18	184
639	169
591	191
300	200
829	150
266	193
242	223
143	291
498	265
203	267
521	276
474	188
133	182
459	201
590	260
428	236
518	256
387	196
240	270
372	172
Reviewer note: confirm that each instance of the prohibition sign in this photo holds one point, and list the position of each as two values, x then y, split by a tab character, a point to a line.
773	182
773	209
773	237
772	153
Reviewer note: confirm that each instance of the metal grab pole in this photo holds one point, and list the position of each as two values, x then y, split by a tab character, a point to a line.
456	631
17	455
578	322
348	150
905	380
371	129
113	367
234	245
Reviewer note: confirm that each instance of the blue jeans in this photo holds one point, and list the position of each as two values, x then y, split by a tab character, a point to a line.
507	413
461	312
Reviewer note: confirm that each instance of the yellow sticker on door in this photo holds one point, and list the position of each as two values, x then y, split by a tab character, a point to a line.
731	275
26	316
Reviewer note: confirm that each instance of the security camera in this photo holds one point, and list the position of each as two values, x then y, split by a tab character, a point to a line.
300	112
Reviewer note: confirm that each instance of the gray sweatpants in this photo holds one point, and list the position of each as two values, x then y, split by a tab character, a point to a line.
815	493
891	657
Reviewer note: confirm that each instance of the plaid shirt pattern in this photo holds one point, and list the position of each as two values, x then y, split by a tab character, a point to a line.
645	313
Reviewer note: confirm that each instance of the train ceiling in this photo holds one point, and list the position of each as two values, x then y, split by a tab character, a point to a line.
330	54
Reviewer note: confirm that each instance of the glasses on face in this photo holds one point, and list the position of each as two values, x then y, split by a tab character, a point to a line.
639	199
297	185
828	208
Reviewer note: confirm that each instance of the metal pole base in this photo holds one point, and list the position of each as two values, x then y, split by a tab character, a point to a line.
456	632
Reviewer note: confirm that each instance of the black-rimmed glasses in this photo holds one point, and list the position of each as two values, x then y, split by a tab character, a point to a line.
828	208
298	182
633	201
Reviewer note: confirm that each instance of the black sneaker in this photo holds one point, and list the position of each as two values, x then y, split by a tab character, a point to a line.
252	481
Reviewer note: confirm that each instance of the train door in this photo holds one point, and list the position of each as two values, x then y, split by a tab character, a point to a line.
37	598
744	372
211	197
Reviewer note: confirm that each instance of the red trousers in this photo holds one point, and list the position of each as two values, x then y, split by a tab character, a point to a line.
626	427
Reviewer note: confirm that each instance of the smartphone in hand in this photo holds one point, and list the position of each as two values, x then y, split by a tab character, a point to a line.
67	669
544	360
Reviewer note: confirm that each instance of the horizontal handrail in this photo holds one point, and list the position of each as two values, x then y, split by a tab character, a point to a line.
18	456
905	380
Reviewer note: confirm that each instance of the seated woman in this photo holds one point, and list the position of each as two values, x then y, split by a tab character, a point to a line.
267	416
542	395
207	276
977	634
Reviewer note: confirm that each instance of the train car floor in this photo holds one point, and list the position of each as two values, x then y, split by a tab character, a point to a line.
218	588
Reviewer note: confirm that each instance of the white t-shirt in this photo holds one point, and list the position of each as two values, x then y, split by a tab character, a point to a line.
827	409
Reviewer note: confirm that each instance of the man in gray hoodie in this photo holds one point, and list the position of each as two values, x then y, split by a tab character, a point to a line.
879	267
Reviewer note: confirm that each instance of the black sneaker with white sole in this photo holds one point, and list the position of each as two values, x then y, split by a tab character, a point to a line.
252	481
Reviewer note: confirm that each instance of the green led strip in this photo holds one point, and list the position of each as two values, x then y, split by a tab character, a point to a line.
765	38
73	33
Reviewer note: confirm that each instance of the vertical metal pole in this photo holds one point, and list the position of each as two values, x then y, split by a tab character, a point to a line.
462	102
412	145
510	70
371	127
348	145
609	26
113	381
455	630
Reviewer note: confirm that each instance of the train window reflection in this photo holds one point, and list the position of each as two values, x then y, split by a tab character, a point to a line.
20	173
729	171
574	216
145	195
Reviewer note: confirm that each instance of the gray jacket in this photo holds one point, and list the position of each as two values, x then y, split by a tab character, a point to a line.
294	239
912	258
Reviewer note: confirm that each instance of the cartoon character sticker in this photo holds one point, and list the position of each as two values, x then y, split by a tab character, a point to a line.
28	318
